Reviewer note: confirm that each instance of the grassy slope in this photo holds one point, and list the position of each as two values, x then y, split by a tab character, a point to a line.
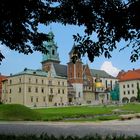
17	112
85	113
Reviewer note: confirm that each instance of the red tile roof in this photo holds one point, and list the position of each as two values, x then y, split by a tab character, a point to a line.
129	75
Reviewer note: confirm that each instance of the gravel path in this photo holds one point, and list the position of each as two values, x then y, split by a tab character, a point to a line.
128	128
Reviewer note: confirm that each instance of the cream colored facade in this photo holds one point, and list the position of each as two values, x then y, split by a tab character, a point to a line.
89	97
34	90
128	90
108	82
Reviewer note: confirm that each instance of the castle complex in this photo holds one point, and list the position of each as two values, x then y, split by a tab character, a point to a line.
56	84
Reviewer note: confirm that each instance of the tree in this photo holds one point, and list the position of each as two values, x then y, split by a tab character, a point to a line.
111	20
138	93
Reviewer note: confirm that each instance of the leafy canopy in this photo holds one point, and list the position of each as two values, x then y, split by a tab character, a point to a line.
111	20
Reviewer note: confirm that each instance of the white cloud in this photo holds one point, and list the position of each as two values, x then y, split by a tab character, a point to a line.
109	68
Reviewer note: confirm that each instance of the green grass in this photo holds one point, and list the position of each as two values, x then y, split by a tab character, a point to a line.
17	112
133	107
51	114
74	113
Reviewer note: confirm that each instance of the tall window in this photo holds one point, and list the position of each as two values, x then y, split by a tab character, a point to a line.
10	82
63	91
42	90
123	86
106	83
36	99
79	94
58	82
10	99
10	91
111	84
42	81
36	89
50	98
138	85
19	80
127	86
29	80
29	89
36	81
63	83
32	99
19	90
58	91
51	90
53	52
133	92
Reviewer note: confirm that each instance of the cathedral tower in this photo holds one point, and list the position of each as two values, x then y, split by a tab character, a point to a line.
75	76
52	56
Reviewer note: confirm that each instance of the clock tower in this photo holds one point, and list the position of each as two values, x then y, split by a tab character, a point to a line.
52	56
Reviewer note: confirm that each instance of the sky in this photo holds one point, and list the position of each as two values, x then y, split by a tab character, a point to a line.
15	62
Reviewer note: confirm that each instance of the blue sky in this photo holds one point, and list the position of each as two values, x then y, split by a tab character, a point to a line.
15	62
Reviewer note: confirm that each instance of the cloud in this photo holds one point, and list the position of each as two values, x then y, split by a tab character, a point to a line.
109	68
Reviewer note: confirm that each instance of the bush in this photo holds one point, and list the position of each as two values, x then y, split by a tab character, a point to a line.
47	137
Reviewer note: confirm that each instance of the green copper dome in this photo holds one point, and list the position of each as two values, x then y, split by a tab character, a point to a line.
52	55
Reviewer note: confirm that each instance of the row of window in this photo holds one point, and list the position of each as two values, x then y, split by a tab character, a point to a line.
130	85
129	92
42	81
36	99
30	89
59	91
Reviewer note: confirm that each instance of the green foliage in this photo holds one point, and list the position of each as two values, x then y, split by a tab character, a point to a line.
47	137
138	93
17	112
20	22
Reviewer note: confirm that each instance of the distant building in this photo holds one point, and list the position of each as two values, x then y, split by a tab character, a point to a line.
56	84
2	77
128	83
35	88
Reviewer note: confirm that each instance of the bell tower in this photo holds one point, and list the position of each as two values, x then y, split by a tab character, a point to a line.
52	56
75	76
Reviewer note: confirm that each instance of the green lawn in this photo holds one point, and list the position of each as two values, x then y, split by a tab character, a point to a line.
74	113
17	112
